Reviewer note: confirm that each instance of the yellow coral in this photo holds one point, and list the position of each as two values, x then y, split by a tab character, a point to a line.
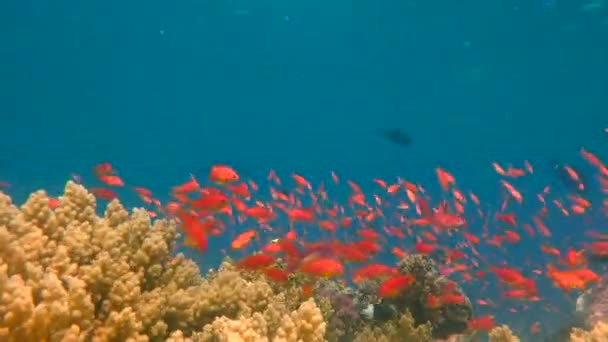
599	333
69	275
306	324
402	329
502	334
223	329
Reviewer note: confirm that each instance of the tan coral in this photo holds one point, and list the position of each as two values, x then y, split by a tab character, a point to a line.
599	333
223	329
502	334
399	330
306	324
69	275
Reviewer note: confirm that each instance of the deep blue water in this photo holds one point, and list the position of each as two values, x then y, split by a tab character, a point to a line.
164	88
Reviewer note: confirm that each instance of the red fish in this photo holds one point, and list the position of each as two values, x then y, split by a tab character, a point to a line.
485	323
188	187
111	180
393	286
211	201
256	262
277	274
106	194
196	236
301	215
223	174
103	169
323	267
373	271
440	218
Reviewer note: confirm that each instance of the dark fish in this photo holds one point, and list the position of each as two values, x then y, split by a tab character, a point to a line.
567	182
396	136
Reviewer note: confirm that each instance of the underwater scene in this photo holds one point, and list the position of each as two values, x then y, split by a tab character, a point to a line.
304	171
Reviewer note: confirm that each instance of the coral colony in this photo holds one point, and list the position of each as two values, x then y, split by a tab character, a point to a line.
68	274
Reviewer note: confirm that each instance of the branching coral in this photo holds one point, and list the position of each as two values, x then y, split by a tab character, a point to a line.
340	308
599	333
502	334
594	304
402	329
447	319
69	275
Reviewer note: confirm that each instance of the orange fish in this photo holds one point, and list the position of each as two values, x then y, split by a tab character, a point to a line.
485	323
511	189
223	174
241	190
424	248
440	219
471	238
508	275
276	274
509	219
598	249
54	203
393	286
323	267
301	215
211	201
256	262
188	187
574	258
103	169
111	180
301	181
106	194
373	271
196	236
261	214
445	179
571	279
243	239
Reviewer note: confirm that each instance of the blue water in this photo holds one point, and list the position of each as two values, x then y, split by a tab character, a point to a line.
166	88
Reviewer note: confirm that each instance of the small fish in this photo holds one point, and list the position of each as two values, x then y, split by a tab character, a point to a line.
105	194
393	286
396	136
111	180
214	200
196	236
485	323
243	239
104	168
440	218
223	174
571	178
256	262
374	271
188	187
277	274
323	267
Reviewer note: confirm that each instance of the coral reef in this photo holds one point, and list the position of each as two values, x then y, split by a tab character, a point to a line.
502	334
599	333
594	304
402	329
446	319
67	274
342	310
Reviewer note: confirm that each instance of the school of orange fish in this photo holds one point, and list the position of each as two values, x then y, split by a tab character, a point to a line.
353	234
